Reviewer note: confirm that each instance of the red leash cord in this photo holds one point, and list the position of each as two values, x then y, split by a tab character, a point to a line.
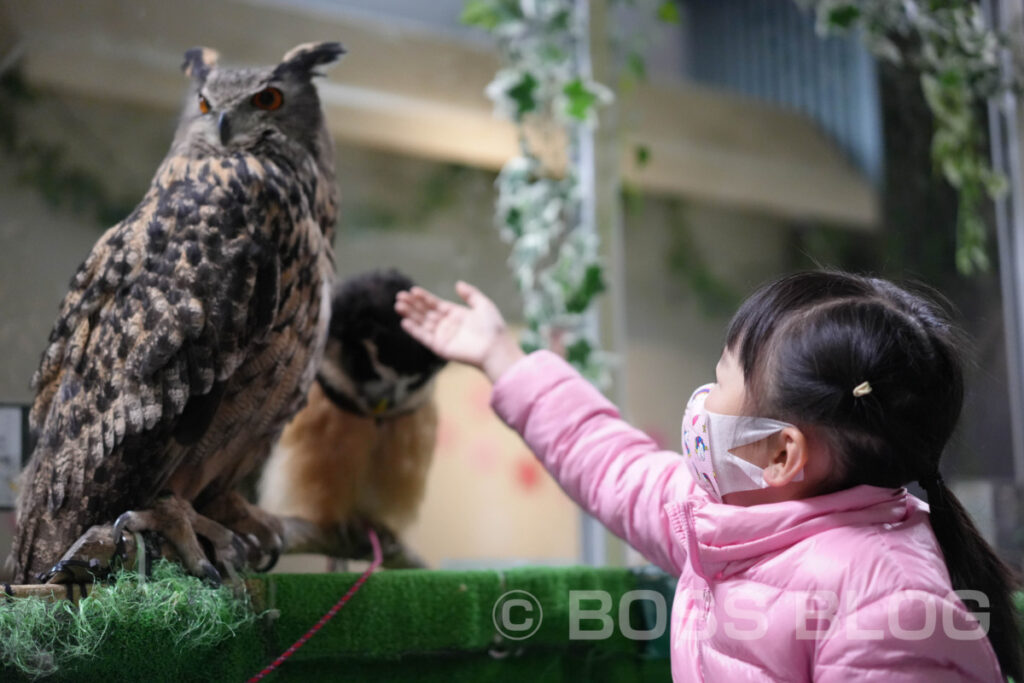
377	559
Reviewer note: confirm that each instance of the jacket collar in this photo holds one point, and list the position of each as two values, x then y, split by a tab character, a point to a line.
721	534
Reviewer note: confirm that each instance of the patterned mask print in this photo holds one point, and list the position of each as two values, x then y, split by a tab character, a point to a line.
709	438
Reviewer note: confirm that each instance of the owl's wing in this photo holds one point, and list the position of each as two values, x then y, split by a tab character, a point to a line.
157	319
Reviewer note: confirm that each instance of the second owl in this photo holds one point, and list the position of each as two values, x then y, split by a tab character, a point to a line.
359	453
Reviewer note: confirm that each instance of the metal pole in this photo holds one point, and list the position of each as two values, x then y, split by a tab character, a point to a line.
597	161
1005	121
594	547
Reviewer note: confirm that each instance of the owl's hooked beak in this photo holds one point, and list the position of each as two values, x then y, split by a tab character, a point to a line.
224	128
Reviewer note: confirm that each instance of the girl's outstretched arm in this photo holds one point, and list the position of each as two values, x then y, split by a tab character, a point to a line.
615	472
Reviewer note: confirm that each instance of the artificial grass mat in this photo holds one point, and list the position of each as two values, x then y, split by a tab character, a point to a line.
402	625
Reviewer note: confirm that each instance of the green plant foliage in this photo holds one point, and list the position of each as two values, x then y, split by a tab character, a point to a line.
642	155
684	260
668	12
843	16
481	13
580	100
42	638
43	165
592	285
579	352
958	58
435	193
524	95
541	86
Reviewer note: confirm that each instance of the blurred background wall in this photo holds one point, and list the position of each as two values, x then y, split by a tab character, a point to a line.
759	166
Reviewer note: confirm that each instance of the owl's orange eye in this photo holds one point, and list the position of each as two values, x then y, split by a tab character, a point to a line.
268	98
204	106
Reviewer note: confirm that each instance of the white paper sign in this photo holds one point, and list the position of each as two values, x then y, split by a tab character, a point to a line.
10	453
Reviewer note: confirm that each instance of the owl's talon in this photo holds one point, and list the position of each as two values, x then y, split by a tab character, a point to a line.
259	527
72	571
118	531
241	550
174	519
210	574
275	555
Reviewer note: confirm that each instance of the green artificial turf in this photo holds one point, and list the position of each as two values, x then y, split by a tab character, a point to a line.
106	633
402	625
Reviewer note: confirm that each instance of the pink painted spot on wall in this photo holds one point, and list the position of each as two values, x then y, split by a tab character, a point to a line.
528	472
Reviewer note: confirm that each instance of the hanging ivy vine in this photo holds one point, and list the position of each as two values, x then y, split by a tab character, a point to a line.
542	87
958	57
44	165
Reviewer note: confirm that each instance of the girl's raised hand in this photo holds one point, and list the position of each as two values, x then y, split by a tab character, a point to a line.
474	334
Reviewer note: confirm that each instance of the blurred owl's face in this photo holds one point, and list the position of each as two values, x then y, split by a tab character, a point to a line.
379	379
371	365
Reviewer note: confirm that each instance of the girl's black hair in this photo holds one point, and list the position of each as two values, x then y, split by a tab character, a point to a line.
807	340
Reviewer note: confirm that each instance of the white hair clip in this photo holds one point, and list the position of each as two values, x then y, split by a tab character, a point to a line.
862	389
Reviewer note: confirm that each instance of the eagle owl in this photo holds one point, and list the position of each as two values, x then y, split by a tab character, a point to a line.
193	330
361	449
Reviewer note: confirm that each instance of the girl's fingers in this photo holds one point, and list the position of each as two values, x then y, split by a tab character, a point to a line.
415	331
408	311
470	294
402	303
424	298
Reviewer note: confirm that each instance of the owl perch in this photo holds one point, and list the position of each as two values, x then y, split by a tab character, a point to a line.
359	453
191	333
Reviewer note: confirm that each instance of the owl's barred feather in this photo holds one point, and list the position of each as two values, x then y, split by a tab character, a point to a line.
193	329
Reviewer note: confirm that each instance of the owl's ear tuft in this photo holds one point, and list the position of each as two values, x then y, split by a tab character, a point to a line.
302	59
198	62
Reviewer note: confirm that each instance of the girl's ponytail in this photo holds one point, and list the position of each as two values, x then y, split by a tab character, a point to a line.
973	565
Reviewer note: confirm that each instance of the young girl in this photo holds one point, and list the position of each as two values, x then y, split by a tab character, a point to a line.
800	555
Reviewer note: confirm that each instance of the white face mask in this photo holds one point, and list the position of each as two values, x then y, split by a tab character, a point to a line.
709	438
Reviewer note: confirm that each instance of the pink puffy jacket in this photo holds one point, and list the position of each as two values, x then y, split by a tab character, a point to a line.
841	587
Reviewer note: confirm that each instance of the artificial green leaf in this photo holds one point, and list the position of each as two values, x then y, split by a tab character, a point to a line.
636	66
561	21
580	100
529	347
514	220
579	353
632	200
482	13
592	285
952	173
843	16
996	184
642	155
668	11
524	94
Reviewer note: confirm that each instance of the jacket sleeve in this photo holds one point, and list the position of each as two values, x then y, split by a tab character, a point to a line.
909	636
615	472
